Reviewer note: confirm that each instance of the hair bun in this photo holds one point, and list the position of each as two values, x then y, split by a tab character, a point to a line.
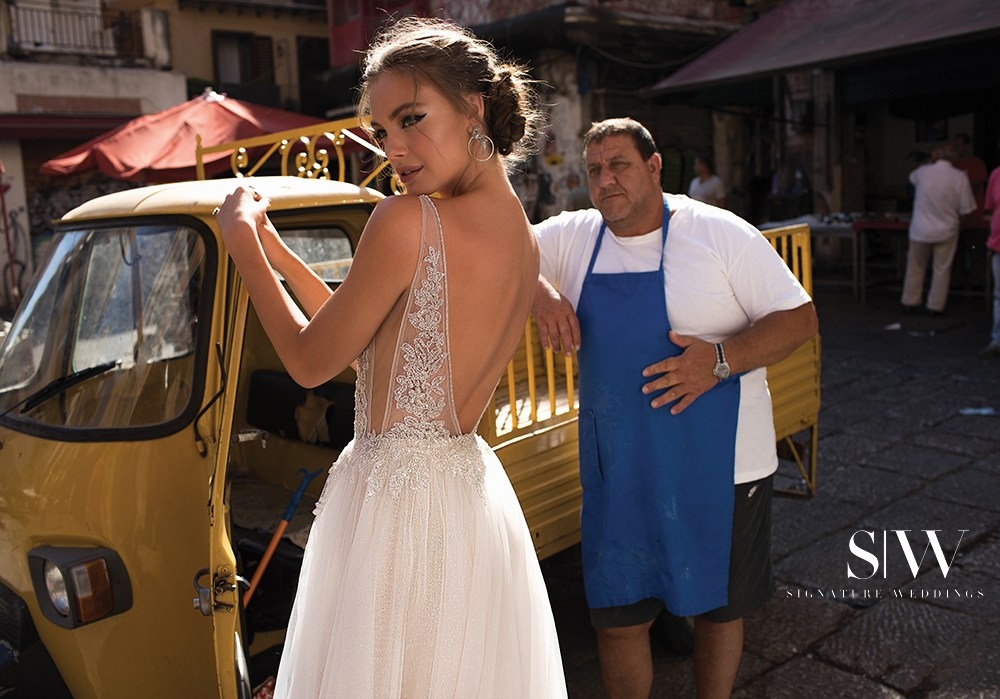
507	104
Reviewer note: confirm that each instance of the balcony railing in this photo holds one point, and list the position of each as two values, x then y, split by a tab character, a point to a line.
131	35
311	9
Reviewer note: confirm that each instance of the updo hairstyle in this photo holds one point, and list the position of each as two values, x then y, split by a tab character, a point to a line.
457	63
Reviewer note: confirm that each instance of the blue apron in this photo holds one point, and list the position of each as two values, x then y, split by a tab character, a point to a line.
657	488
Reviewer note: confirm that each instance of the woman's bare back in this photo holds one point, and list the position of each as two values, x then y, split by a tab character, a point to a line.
493	273
487	270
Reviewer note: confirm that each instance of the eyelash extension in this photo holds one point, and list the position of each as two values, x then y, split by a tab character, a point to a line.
414	119
406	122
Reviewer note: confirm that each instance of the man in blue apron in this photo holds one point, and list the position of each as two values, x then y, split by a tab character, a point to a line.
675	306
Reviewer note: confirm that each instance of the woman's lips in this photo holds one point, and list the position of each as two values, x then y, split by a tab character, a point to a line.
407	173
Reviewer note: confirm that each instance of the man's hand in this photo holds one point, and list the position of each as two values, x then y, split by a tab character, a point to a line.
689	374
684	376
558	326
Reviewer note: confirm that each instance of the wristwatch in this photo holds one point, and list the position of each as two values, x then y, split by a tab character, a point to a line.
721	369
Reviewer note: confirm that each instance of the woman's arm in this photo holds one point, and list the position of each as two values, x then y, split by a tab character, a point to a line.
315	349
308	287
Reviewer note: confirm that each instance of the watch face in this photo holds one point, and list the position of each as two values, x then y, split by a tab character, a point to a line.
721	371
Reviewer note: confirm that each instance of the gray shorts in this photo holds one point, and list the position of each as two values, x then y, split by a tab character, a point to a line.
751	577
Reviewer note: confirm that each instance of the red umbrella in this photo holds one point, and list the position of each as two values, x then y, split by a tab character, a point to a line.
160	147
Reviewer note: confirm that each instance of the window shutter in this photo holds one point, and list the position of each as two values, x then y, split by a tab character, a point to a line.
262	61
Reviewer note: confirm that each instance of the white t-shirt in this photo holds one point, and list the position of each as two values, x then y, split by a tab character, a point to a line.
720	276
711	191
942	195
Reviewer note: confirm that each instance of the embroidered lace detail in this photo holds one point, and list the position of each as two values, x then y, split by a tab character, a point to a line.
420	433
395	464
420	389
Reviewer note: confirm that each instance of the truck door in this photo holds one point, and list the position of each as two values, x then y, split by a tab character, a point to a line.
219	588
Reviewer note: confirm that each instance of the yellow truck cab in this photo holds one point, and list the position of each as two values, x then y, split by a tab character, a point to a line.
151	443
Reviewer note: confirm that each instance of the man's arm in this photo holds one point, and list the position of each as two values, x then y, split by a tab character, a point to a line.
689	374
558	327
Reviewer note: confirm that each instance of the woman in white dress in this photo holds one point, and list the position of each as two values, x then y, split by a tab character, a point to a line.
419	578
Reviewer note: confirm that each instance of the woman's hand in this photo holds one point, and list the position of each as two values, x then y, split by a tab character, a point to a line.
243	221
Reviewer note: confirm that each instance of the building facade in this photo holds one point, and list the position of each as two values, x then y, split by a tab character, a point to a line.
593	60
70	71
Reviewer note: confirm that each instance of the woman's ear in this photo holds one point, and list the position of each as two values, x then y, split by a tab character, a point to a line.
477	108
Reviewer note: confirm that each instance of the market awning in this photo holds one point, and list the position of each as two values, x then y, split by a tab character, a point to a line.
801	34
160	147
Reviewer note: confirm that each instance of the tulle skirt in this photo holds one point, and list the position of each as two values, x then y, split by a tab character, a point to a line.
420	580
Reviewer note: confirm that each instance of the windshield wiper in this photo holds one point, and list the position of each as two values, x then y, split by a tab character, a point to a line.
57	386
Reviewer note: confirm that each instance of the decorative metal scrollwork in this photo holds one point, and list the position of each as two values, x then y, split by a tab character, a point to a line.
307	152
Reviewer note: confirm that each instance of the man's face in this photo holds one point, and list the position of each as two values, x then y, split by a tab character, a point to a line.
624	187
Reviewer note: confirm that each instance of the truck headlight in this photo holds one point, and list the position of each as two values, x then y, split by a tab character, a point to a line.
76	586
55	585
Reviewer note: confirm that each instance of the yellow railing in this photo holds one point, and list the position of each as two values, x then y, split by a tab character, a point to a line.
793	244
538	391
795	380
303	152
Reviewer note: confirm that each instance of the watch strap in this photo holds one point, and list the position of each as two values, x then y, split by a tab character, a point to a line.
720	355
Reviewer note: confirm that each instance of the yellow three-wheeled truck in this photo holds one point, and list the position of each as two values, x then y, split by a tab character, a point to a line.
151	442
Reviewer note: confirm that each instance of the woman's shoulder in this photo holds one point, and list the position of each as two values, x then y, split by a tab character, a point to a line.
396	209
393	230
396	217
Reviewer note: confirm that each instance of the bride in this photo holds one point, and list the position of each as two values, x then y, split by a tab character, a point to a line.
419	578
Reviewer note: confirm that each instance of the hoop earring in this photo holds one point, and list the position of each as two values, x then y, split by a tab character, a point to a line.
483	142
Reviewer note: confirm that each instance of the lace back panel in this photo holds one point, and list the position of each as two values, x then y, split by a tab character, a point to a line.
419	402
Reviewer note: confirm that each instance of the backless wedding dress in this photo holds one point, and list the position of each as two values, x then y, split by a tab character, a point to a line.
419	578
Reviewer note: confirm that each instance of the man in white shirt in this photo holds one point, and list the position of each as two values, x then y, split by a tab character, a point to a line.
675	307
706	185
942	197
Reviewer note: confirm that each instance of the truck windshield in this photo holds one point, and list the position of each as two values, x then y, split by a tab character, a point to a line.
107	337
326	250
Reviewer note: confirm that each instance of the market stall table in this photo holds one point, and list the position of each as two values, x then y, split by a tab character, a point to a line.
897	227
862	229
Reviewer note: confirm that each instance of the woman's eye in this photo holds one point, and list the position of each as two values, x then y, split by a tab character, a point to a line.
411	119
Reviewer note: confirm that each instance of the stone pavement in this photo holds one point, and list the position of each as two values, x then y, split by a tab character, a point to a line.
895	453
